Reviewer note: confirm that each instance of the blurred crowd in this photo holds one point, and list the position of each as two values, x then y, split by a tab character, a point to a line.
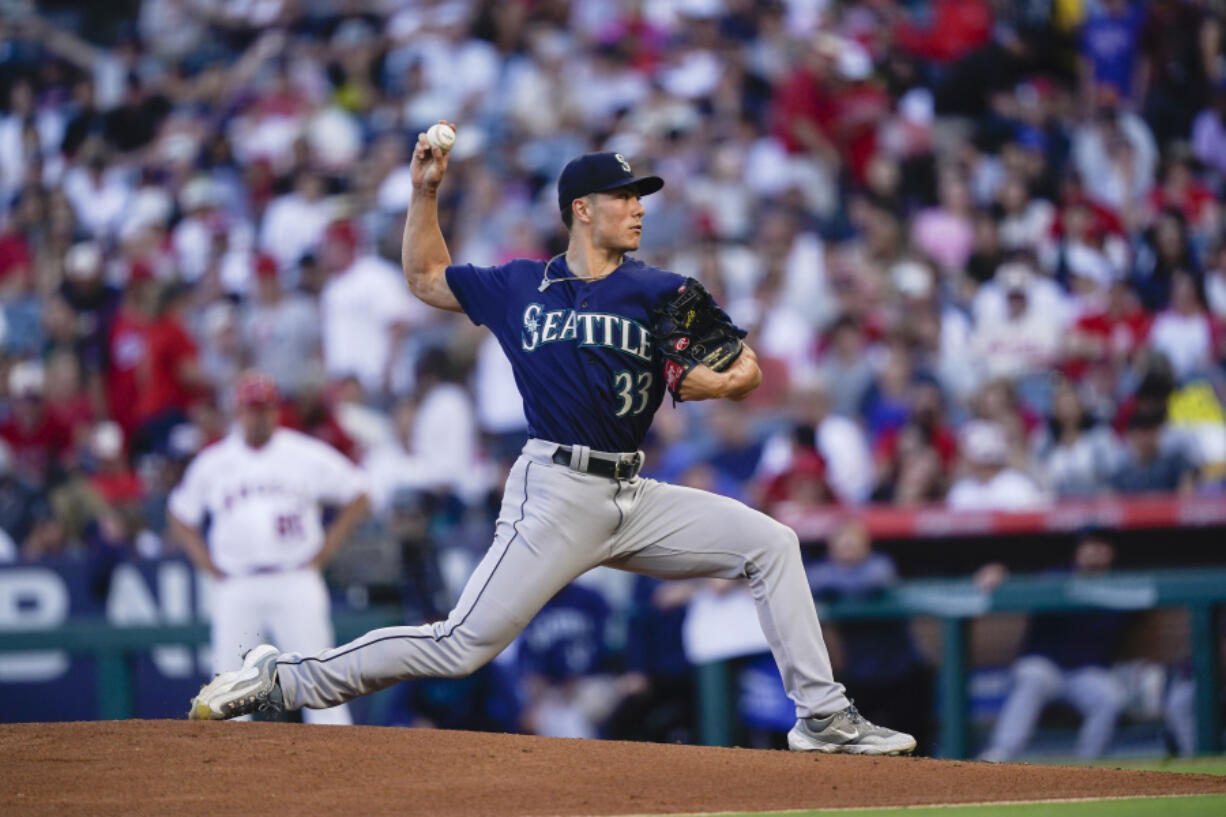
978	244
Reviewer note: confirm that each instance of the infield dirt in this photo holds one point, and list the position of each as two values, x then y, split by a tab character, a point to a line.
188	768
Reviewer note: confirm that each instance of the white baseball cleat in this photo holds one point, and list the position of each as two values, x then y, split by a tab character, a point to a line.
848	732
252	688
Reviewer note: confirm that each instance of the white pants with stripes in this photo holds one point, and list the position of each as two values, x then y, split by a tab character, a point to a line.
290	609
555	524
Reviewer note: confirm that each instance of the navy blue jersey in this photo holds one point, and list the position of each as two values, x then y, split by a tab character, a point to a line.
582	351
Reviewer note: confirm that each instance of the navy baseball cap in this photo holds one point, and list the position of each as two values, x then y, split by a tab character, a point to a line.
600	173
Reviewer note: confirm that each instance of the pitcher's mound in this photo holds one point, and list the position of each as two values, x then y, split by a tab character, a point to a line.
182	768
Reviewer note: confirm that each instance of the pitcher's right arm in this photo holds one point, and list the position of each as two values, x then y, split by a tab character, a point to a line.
423	250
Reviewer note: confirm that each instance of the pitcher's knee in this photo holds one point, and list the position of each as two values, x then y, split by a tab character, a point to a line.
466	665
780	542
468	658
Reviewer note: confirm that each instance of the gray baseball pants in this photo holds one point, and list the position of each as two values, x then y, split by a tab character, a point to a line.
1037	681
555	524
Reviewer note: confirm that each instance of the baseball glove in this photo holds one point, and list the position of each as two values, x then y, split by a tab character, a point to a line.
690	329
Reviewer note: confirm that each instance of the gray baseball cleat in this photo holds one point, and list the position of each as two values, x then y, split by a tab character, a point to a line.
848	732
252	688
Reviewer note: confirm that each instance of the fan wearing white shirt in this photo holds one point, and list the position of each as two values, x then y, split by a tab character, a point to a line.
364	309
990	484
263	488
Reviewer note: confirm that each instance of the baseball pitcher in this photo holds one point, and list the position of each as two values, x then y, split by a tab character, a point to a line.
595	339
262	488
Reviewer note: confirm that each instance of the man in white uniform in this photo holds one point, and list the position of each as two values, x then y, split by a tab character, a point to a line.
263	488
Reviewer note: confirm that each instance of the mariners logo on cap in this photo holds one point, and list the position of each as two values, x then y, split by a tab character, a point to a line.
621	160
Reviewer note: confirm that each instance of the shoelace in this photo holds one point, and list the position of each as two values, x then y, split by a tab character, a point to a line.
854	715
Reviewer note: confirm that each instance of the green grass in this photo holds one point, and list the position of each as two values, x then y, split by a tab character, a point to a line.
1207	805
1210	805
1187	765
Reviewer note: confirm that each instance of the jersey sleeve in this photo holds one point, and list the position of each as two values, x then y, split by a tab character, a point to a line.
337	480
481	291
187	500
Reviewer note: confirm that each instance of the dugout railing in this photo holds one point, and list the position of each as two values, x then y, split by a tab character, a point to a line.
955	604
113	647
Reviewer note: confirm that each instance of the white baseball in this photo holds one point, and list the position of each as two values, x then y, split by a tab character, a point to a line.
441	136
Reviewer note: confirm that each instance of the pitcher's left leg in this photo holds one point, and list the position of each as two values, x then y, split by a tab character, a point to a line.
672	532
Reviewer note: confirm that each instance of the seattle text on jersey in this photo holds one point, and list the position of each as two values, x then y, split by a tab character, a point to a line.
587	328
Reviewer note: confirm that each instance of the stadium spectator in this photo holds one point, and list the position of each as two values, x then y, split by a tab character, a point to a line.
94	304
1209	132
838	441
1110	54
1151	463
845	361
1185	332
30	529
1023	339
280	328
1110	336
171	376
990	484
365	309
914	463
1115	155
1182	48
39	441
1165	251
1073	454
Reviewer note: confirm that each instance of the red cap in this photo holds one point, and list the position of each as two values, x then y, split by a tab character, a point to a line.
265	266
255	388
140	270
343	230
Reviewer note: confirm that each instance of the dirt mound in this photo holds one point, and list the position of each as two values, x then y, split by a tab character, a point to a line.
184	768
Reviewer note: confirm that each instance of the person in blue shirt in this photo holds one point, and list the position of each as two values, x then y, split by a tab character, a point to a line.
576	330
1110	41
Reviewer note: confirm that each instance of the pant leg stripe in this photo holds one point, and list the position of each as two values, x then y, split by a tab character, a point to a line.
514	527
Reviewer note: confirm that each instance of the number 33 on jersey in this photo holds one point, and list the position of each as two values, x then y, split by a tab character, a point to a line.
584	360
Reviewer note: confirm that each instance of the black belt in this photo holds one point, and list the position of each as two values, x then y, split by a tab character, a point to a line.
613	466
266	570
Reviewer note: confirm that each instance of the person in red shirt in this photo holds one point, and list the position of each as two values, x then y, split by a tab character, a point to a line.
1181	190
111	477
861	104
38	439
1112	335
171	377
803	483
956	28
310	411
803	107
14	254
127	346
830	107
67	398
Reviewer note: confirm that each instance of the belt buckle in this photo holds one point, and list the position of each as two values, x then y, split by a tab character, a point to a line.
630	464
